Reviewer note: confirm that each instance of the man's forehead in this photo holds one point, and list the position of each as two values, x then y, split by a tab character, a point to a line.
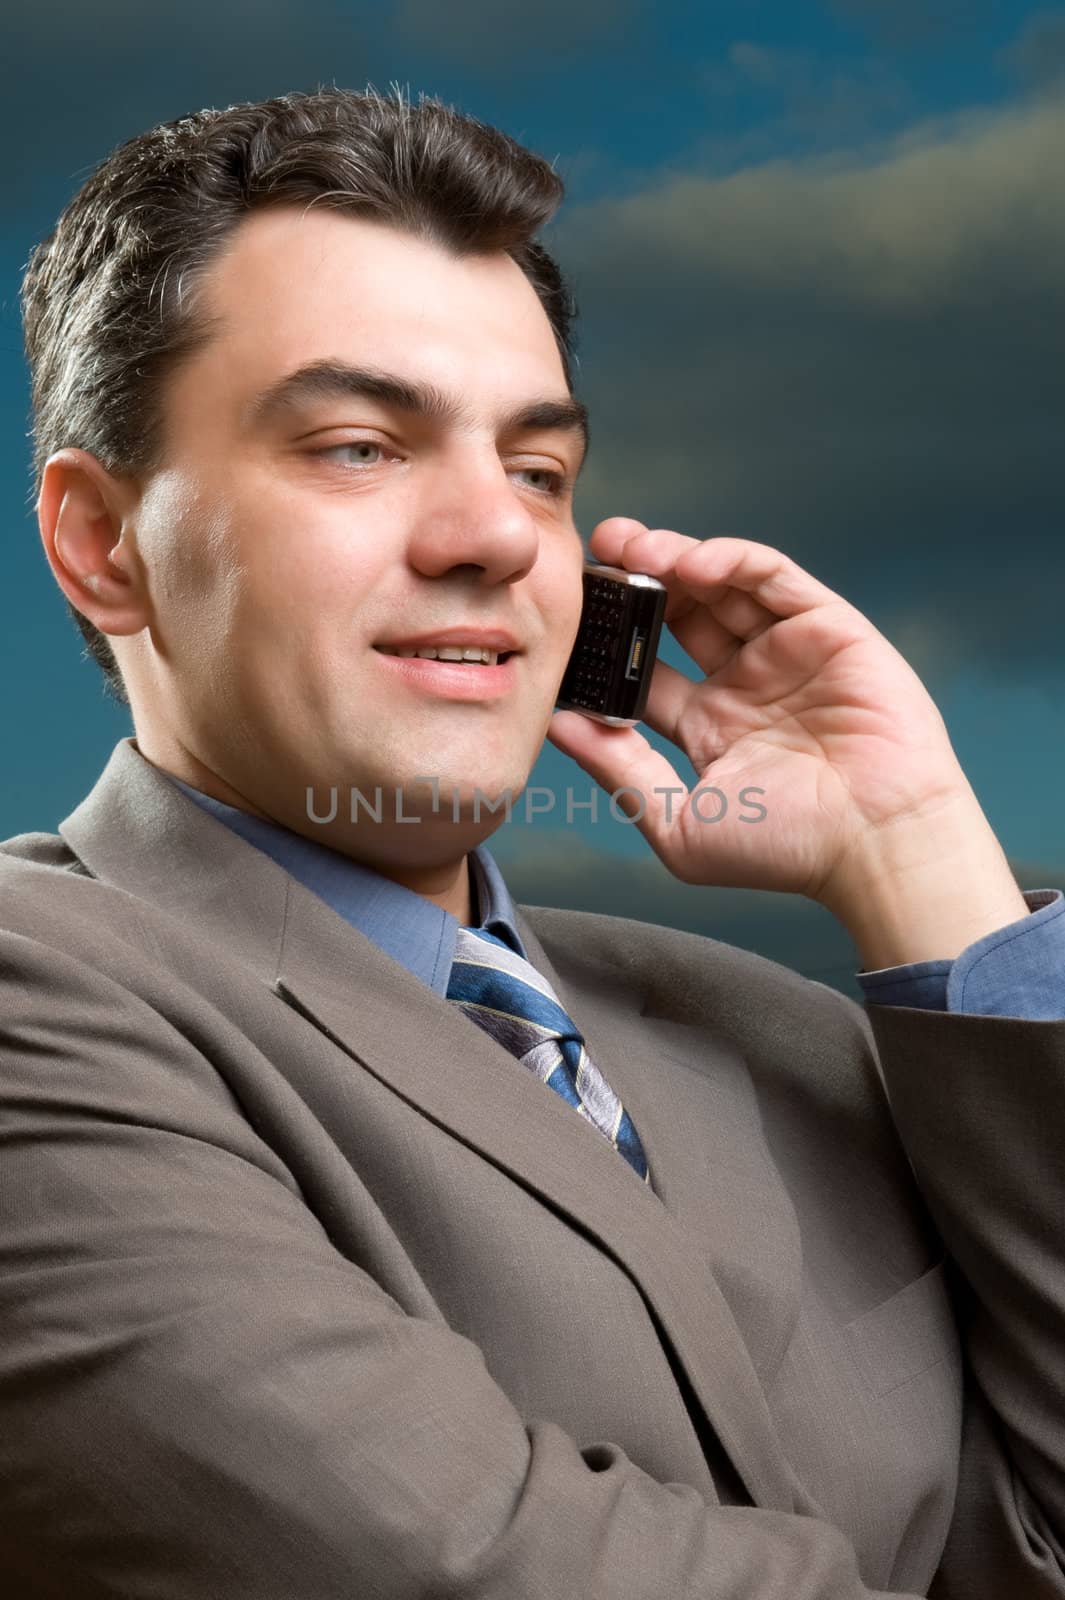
290	253
282	344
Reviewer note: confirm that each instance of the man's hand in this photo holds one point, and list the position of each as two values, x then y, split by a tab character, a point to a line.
867	808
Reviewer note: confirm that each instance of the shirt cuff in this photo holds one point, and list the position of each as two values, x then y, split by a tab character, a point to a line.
1016	971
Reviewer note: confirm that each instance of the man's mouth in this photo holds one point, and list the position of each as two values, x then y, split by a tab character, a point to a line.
461	662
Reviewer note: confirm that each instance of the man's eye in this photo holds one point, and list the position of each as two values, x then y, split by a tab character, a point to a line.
558	483
350	444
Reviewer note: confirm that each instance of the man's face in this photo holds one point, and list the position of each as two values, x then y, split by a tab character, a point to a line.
282	546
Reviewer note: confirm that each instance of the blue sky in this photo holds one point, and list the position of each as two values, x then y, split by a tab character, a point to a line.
818	253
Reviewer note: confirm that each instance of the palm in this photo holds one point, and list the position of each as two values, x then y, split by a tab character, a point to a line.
823	715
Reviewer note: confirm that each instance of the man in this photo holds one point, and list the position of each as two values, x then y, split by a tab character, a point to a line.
312	1285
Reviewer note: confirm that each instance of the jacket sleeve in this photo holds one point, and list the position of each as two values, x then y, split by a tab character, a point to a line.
202	1399
979	1102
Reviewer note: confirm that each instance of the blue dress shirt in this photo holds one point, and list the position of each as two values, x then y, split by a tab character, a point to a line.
1016	971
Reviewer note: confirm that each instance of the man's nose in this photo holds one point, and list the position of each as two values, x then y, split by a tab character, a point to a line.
478	519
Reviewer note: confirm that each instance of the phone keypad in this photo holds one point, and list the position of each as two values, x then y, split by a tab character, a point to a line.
594	665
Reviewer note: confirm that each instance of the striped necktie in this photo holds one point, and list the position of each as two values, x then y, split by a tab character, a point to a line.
506	996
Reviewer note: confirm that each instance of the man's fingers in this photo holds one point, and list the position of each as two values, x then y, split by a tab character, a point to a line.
708	641
623	762
711	634
610	536
709	568
768	577
668	697
624	542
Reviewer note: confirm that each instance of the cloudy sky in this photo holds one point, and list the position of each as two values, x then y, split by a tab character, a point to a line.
819	255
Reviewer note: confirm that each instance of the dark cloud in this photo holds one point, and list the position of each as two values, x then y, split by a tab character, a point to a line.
803	100
916	24
241	50
1037	55
859	360
77	80
481	33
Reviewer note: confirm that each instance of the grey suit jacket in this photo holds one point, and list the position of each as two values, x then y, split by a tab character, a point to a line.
309	1290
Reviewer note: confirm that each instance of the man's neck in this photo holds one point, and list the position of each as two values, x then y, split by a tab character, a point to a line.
453	887
450	885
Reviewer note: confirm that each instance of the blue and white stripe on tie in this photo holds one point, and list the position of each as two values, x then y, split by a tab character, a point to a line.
506	996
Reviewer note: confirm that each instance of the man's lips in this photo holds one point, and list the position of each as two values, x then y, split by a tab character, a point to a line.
452	680
459	637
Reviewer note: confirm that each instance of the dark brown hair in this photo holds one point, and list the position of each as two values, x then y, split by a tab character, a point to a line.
109	298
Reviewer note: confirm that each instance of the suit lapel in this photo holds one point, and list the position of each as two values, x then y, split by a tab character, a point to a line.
138	831
690	1093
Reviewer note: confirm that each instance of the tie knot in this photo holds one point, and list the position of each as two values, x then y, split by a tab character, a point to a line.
497	987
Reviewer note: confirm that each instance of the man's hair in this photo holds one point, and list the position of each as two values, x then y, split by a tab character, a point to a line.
110	300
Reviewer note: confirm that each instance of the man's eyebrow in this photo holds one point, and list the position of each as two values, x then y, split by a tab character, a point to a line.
325	380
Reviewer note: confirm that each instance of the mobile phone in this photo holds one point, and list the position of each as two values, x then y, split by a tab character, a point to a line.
609	671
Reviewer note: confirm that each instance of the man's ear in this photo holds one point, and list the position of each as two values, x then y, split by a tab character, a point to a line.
82	514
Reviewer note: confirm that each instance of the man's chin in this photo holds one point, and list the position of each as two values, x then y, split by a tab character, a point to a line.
425	838
468	801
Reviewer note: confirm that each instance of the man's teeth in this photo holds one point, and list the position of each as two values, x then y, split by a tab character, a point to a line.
488	657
